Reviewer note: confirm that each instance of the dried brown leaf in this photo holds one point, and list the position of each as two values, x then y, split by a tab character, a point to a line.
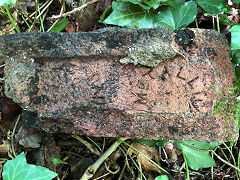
150	152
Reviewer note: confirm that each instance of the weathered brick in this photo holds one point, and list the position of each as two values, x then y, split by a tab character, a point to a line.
75	83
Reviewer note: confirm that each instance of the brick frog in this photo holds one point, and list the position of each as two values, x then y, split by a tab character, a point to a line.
155	51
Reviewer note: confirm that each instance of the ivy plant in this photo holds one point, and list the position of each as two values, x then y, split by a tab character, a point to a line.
176	17
212	7
235	47
143	13
195	152
9	2
19	169
175	14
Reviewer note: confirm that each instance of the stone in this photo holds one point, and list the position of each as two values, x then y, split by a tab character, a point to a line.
103	83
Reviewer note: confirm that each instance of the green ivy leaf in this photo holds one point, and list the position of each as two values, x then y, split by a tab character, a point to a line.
200	145
60	26
154	3
106	11
138	3
151	142
18	169
213	7
236	1
176	17
147	142
162	177
236	56
9	2
162	143
126	14
235	40
238	107
195	158
165	18
170	2
57	161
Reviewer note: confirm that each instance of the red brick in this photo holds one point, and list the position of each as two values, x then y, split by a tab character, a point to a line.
75	83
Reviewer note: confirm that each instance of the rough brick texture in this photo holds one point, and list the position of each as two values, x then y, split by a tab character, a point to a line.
75	83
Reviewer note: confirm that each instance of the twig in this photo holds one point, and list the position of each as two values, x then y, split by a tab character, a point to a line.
87	144
64	5
91	170
24	12
110	171
123	169
125	152
137	166
234	167
41	22
233	158
74	10
55	21
35	18
40	13
97	144
102	176
11	18
12	136
40	8
65	173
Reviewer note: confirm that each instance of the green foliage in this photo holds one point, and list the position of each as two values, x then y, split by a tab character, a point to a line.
235	47
9	2
151	142
200	145
171	2
57	161
237	71
60	26
196	154
226	21
154	3
126	14
228	103
162	177
148	4
140	3
236	1
235	40
176	17
236	109
18	169
212	7
138	14
236	56
175	14
106	11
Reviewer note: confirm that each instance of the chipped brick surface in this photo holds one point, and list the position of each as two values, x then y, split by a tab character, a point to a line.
75	83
